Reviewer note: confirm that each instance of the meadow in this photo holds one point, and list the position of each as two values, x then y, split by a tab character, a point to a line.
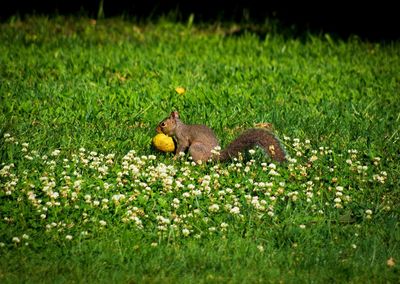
85	198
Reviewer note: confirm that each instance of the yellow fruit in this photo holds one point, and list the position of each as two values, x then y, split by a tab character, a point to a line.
163	143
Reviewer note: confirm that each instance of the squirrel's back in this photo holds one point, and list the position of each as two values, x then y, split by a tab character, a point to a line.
199	131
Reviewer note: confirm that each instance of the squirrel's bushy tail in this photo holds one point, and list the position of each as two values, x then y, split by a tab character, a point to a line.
251	138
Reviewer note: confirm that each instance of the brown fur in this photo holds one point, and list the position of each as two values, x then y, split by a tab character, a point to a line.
251	138
200	140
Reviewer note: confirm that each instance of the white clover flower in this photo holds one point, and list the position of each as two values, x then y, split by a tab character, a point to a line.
54	195
103	223
175	203
162	228
25	236
216	150
379	178
197	192
273	173
252	151
260	248
368	212
55	153
185	232
118	197
302	226
214	208
103	169
68	237
16	240
235	210
339	188
224	225
163	220
376	160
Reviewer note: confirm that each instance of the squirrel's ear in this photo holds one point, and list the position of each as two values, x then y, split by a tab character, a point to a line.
174	114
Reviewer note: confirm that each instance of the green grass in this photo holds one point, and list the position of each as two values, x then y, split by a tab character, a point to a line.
95	211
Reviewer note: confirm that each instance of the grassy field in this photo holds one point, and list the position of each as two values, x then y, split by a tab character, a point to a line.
84	198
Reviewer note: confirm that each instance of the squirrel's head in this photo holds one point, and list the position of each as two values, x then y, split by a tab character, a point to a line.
168	125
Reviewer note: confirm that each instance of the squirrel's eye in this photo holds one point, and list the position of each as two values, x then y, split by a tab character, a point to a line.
163	124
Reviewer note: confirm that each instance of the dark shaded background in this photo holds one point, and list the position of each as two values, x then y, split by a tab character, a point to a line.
378	20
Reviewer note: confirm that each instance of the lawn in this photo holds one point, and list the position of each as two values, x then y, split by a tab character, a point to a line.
85	198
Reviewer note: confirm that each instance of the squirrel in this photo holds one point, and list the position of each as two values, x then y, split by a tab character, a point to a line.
200	140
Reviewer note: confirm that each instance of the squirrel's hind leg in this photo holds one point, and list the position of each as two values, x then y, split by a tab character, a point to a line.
199	152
